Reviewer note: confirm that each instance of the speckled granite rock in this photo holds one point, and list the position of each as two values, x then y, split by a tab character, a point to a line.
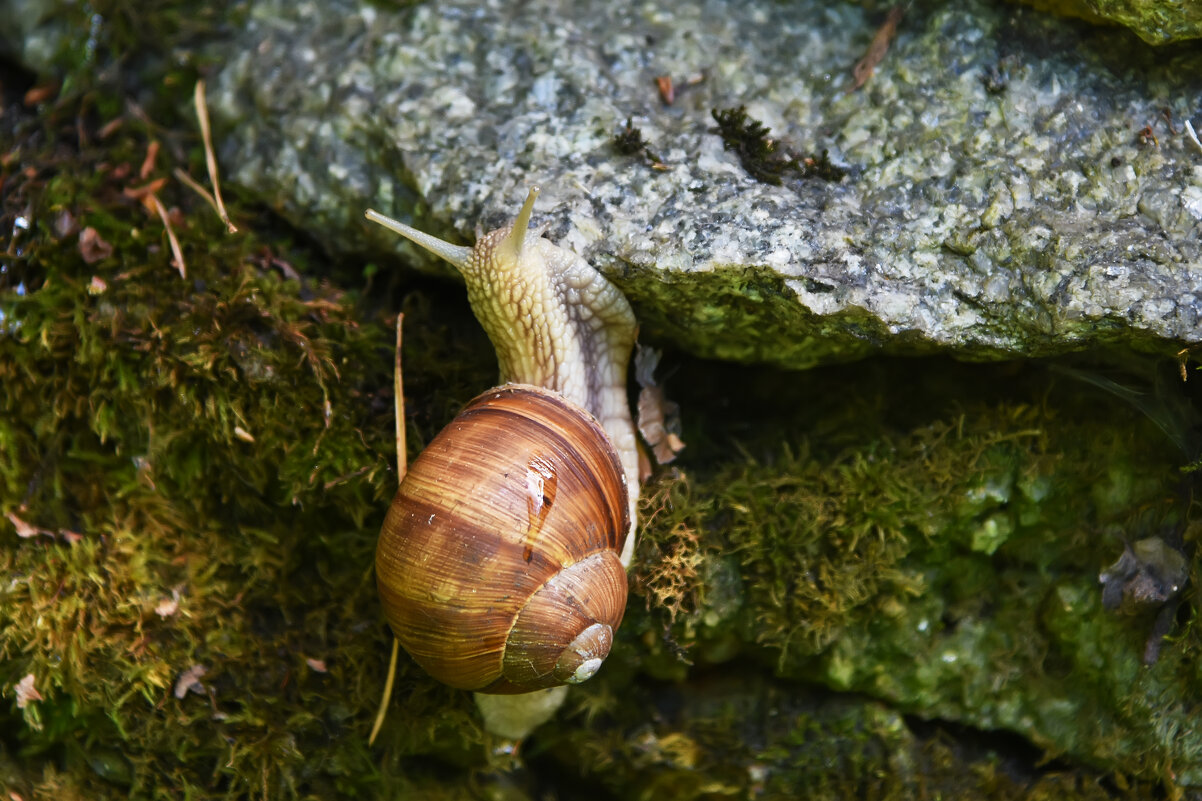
998	200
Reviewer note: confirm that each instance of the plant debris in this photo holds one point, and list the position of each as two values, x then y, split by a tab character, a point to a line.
26	692
867	65
189	681
202	116
92	246
630	142
658	417
762	156
669	89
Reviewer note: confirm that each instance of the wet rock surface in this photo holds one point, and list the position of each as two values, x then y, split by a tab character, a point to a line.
1000	197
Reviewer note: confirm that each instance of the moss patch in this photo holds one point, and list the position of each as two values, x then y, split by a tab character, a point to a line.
201	466
942	554
1154	21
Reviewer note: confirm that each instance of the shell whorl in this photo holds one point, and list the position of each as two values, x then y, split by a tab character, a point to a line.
585	600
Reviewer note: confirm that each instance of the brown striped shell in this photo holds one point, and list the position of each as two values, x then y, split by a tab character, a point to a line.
498	561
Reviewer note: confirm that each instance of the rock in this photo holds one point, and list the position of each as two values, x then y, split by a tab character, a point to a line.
999	200
30	34
1148	574
1154	21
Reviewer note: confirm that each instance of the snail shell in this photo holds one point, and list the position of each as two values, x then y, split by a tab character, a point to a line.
501	563
498	562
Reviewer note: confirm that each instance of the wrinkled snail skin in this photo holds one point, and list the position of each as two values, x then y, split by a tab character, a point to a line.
501	563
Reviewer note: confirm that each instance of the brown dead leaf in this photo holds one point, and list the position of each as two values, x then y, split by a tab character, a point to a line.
864	68
659	418
189	680
111	127
667	92
24	530
40	94
152	154
654	411
142	192
27	530
26	692
645	469
92	247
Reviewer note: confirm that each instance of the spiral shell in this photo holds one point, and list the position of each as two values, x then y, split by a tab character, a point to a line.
498	560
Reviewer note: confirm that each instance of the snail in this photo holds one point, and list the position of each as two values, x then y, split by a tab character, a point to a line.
501	562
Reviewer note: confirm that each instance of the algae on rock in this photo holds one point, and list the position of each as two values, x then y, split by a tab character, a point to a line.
1155	21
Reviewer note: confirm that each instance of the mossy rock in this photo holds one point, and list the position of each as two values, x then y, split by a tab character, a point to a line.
1155	21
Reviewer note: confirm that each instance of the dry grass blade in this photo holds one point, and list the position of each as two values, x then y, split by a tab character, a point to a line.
375	729
202	114
190	182
175	248
402	466
398	387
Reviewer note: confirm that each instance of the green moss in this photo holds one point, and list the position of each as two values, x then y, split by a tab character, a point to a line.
630	142
721	313
946	563
751	315
762	156
205	462
1154	21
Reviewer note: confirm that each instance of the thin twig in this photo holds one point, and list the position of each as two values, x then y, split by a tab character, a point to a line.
402	466
202	114
175	249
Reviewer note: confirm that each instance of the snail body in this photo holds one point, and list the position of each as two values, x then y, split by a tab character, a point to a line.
501	562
